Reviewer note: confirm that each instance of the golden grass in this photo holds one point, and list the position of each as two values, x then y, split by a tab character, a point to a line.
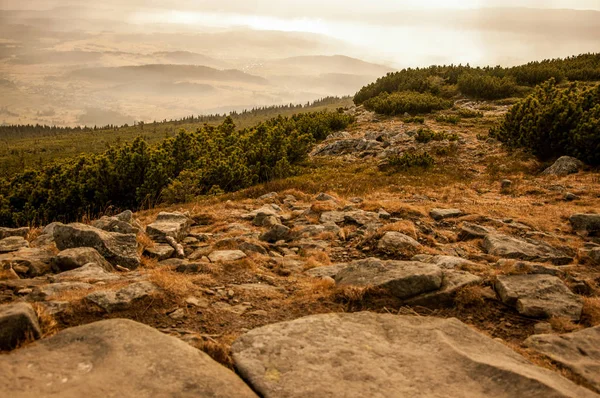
177	284
217	351
591	310
316	259
144	242
563	325
470	296
406	227
48	324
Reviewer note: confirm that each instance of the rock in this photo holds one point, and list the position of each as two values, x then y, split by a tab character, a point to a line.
542	328
178	314
323	197
469	231
452	282
276	233
28	262
526	267
70	259
118	249
12	244
55	308
272	195
353	146
564	166
314	230
194	268
586	224
332	217
115	358
530	250
264	211
18	323
505	184
199	302
160	251
590	254
398	243
10	232
123	298
226	255
42	293
327	271
384	215
442	214
178	249
402	279
539	296
569	197
361	218
579	352
249	247
382	355
445	262
89	273
114	224
175	225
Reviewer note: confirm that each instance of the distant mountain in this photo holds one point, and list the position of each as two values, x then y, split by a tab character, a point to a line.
335	64
163	73
188	58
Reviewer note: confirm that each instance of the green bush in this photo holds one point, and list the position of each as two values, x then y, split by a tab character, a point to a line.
553	122
410	160
425	135
466	113
450	119
406	102
209	161
487	87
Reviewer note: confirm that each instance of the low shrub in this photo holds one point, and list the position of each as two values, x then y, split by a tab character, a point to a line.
406	102
410	160
425	135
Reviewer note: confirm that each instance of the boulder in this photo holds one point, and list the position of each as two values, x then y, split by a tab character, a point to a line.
590	254
226	255
115	358
530	250
539	296
314	230
469	231
382	355
564	166
353	146
527	267
43	293
123	298
9	232
118	249
445	262
398	243
115	224
175	225
332	217
89	273
323	197
28	262
442	214
12	244
402	279
18	323
327	271
160	251
586	224
579	352
276	233
362	218
453	281
71	259
46	238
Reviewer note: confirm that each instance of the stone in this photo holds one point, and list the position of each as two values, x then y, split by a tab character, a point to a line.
569	197
199	302
18	323
402	279
12	244
89	273
178	249
42	293
539	296
118	249
578	351
529	250
175	225
55	308
115	358
123	298
506	184
335	217
10	232
527	267
327	271
453	281
354	146
382	355
586	224
314	230
384	215
160	251
249	247
361	218
71	259
276	233
542	328
443	214
590	254
226	255
398	243
178	314
268	196
323	197
564	166
445	262
469	231
114	224
28	262
194	267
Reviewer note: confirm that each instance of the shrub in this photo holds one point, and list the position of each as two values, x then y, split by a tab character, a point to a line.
553	122
406	102
487	87
410	160
466	113
425	135
450	119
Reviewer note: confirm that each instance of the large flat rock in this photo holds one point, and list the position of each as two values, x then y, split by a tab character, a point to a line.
382	355
18	322
115	358
12	244
175	225
77	257
452	283
586	224
539	296
530	250
579	351
402	279
118	249
28	262
398	243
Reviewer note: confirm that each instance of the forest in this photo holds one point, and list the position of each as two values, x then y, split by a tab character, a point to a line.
136	175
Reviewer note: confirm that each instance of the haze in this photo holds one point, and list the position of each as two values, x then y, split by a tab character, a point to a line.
68	63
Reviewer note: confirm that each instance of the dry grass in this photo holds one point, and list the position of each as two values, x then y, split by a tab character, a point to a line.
350	294
217	351
144	242
33	234
177	284
470	296
47	322
406	227
591	310
316	259
321	207
563	325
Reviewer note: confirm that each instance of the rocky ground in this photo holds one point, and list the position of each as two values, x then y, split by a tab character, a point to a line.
480	277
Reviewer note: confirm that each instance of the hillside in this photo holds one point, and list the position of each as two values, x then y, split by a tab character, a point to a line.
503	261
